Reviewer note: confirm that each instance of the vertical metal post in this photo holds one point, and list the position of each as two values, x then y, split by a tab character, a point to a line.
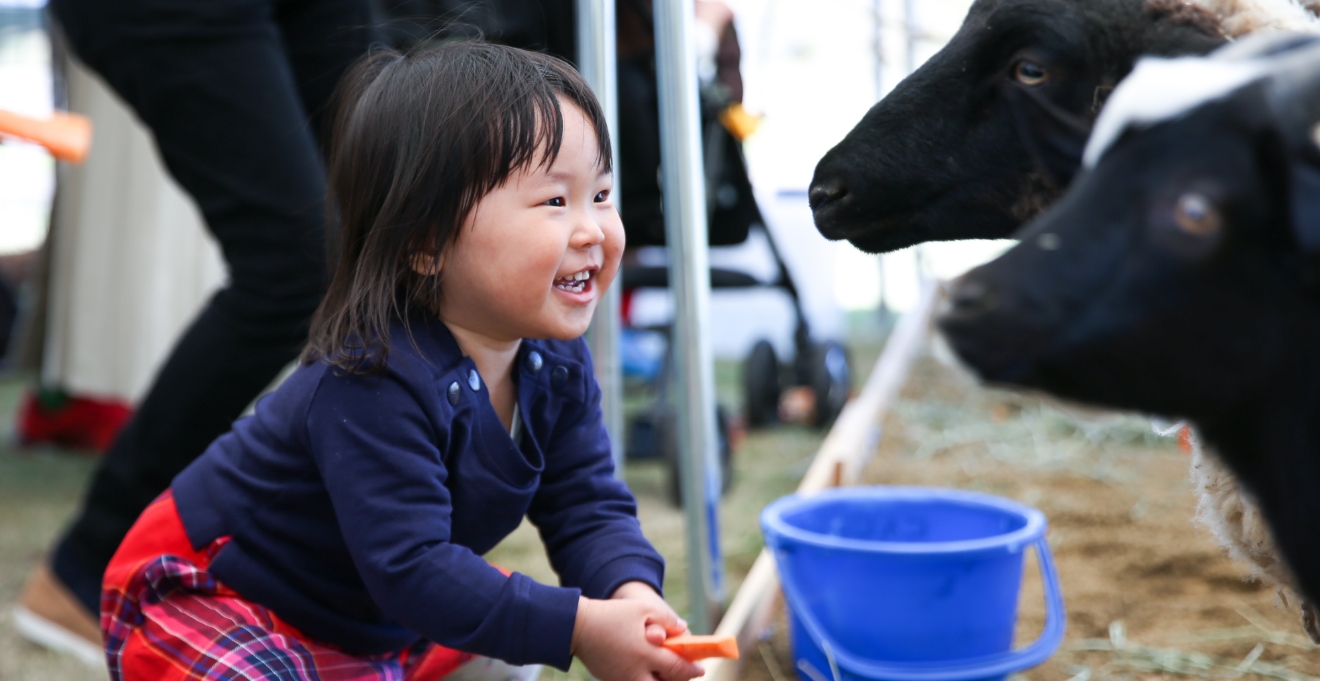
912	31
689	280
878	46
597	63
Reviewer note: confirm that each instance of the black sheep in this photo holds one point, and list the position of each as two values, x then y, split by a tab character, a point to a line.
1009	135
940	158
1181	276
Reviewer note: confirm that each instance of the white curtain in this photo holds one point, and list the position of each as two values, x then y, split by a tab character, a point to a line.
131	264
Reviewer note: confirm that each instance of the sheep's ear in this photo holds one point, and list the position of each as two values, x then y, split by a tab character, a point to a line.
1055	138
1292	104
1304	199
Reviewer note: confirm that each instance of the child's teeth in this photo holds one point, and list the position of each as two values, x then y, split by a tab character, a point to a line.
574	284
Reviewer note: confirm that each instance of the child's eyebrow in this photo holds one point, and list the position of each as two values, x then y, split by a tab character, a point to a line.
565	176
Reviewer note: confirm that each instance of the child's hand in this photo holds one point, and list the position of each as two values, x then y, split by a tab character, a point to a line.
641	591
611	639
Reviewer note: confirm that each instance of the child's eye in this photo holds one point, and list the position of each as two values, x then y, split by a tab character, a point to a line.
557	202
603	196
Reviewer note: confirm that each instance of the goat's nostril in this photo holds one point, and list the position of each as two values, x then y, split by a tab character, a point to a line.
826	191
970	296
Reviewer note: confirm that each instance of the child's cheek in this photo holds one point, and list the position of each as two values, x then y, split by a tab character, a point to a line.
613	246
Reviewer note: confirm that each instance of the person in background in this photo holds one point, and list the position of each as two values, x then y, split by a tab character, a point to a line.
235	93
445	393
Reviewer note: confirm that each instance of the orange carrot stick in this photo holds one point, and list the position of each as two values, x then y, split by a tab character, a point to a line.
67	136
696	648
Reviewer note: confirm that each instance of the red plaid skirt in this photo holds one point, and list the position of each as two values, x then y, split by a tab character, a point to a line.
165	618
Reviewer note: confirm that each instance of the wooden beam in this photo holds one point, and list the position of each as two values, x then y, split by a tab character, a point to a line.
840	461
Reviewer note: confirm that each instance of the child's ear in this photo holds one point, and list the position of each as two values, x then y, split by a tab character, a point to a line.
426	264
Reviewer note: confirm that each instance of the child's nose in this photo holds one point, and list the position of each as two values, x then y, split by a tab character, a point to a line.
589	232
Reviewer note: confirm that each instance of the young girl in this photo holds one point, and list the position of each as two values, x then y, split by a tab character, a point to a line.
445	394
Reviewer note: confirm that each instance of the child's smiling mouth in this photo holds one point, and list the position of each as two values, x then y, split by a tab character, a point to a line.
576	283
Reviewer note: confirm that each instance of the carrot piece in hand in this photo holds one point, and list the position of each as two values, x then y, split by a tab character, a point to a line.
695	648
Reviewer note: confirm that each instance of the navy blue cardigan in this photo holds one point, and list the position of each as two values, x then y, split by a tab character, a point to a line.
359	506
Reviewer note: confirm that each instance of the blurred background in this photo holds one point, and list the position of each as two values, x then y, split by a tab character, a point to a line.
98	309
810	69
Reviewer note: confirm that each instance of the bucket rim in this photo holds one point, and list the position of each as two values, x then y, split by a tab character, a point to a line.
773	522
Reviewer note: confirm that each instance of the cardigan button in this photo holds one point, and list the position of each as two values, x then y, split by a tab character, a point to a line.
534	361
474	381
454	390
559	376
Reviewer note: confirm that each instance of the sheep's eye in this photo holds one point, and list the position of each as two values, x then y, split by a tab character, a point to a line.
1030	73
1195	215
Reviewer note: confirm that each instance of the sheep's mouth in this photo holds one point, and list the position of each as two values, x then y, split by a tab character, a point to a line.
996	348
875	235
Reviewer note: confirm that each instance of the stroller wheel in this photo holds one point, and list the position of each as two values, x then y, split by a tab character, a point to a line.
761	386
723	431
830	376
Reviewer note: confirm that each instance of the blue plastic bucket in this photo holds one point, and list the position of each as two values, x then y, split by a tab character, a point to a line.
909	583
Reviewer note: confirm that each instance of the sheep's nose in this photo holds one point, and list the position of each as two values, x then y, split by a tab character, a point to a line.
970	298
826	191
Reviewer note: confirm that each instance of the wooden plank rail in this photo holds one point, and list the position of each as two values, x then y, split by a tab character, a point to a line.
840	461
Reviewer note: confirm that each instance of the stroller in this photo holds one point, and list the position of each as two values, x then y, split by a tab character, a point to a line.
549	25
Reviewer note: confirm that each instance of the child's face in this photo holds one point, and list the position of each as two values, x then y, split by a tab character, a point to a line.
536	253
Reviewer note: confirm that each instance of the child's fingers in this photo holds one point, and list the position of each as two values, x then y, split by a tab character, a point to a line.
656	634
678	629
660	613
673	667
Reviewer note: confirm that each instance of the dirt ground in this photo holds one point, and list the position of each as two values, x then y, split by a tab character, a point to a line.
1148	593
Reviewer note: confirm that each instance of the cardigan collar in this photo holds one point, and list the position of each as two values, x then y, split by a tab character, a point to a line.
542	363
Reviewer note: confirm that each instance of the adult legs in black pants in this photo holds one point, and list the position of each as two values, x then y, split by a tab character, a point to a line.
236	94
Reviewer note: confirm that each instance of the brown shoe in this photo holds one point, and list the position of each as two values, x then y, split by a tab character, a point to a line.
48	615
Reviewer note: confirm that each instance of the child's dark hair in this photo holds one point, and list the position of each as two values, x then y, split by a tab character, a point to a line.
419	139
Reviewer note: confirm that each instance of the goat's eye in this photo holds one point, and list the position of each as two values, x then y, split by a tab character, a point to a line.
1195	215
1030	73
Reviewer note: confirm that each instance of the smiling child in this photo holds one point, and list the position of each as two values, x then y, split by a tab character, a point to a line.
445	394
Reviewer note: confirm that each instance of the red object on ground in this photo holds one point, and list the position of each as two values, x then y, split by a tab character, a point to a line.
76	422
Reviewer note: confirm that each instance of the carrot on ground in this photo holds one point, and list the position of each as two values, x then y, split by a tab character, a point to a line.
696	648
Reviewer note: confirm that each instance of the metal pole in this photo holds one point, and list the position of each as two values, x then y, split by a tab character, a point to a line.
878	46
597	63
910	24
689	280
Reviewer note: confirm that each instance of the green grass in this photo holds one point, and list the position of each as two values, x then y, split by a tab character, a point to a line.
39	490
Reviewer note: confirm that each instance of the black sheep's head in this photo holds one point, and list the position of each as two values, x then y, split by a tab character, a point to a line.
942	157
1177	277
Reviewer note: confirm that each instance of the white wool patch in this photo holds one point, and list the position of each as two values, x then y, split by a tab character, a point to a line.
1240	17
1162	89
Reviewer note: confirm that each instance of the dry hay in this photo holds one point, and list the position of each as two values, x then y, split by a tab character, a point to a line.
1149	594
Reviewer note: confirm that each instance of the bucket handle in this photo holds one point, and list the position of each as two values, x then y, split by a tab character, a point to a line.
986	666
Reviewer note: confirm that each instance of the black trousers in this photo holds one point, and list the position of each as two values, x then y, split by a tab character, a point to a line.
236	94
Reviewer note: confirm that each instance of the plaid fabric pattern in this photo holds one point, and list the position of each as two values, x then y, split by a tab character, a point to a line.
165	618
